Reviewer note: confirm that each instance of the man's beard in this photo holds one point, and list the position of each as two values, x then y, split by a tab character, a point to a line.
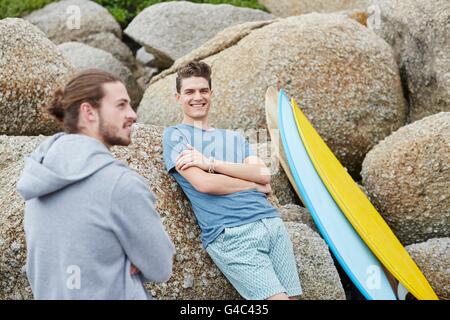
109	135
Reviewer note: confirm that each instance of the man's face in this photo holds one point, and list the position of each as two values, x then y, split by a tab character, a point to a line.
195	97
115	115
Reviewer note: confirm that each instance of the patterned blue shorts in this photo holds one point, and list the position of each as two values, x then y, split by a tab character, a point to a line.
258	259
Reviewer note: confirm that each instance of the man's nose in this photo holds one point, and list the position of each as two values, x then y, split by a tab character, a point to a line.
132	115
197	95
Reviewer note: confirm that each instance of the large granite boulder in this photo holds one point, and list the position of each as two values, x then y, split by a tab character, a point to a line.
342	74
83	56
418	31
318	275
295	213
194	274
286	8
407	176
72	20
31	68
111	43
433	258
170	30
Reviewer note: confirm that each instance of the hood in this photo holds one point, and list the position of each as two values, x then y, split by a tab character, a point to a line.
61	160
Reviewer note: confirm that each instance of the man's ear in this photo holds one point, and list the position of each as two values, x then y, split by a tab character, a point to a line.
177	96
87	112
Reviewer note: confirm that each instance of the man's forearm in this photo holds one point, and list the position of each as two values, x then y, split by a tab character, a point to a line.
220	184
257	173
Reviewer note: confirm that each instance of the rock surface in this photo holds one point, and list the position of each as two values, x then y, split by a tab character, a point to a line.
170	30
72	20
31	68
433	258
286	8
110	43
407	176
418	31
343	76
194	274
83	56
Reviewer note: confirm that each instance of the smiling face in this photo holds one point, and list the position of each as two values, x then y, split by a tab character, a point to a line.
115	115
195	98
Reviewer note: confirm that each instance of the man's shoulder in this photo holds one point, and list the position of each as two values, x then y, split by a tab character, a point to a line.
174	131
174	127
126	179
117	170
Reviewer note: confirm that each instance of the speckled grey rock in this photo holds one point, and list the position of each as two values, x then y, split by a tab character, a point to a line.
169	30
72	20
318	275
223	40
343	75
110	43
31	68
433	258
13	281
144	57
295	213
285	8
408	178
281	187
84	57
194	274
418	30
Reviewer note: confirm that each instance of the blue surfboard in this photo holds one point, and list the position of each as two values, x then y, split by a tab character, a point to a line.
357	260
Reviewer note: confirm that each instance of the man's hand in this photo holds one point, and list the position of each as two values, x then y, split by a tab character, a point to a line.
264	188
192	158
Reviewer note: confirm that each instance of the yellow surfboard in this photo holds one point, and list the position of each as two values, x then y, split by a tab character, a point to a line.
360	212
271	108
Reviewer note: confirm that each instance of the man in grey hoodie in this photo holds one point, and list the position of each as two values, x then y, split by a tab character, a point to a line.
91	228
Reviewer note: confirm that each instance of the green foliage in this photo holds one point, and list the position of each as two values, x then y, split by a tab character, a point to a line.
17	8
123	10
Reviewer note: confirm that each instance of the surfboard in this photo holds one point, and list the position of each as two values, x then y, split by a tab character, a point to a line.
271	110
357	260
360	212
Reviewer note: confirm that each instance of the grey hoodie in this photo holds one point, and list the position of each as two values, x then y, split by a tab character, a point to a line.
88	217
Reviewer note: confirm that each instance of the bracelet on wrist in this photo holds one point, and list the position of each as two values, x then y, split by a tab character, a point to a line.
211	165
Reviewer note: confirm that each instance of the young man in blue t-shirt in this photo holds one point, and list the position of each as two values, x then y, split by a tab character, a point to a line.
228	187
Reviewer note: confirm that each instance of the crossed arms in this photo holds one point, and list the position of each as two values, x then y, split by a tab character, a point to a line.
228	177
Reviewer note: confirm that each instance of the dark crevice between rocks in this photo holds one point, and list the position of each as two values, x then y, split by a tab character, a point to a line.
133	45
405	88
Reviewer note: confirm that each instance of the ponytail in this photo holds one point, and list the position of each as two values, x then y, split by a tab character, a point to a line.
55	107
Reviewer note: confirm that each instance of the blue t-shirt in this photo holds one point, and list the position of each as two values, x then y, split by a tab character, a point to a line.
215	212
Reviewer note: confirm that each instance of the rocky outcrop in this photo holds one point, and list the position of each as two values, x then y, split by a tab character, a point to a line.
110	43
83	56
407	176
433	258
343	76
31	68
318	275
170	30
295	213
72	20
286	8
418	31
194	274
